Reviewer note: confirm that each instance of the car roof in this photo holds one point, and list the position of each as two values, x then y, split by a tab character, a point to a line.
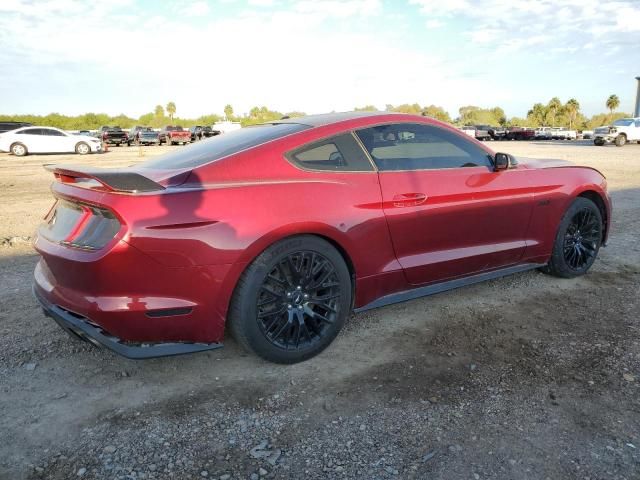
27	127
328	118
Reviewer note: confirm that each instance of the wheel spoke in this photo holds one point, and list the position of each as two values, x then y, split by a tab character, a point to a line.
326	306
317	283
273	312
282	328
273	293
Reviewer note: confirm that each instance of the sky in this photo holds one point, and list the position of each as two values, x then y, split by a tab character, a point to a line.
126	56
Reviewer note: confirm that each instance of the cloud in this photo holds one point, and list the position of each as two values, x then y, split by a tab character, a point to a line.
570	24
322	55
197	9
262	3
314	56
339	8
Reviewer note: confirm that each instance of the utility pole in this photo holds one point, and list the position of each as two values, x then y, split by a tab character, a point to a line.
637	110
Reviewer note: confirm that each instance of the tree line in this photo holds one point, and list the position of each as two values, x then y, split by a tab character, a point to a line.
553	113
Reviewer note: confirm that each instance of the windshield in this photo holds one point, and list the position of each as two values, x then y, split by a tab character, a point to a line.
221	146
623	122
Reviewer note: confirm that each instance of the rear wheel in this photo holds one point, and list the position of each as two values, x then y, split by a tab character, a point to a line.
578	240
292	300
82	148
19	150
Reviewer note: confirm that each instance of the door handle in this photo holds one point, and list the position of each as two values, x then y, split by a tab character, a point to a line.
409	199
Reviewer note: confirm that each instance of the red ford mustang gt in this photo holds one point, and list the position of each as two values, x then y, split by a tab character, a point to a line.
282	230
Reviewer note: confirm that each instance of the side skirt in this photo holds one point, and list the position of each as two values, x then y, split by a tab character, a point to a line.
445	286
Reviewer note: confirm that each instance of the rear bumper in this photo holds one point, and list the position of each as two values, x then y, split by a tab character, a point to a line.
149	140
83	329
134	297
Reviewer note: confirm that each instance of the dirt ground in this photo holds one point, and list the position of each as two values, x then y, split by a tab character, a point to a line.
526	377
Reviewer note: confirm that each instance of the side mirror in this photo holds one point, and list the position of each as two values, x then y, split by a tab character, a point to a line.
501	161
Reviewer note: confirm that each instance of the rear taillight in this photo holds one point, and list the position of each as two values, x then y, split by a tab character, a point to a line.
79	225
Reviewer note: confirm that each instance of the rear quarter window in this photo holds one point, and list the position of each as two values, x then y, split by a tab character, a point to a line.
338	153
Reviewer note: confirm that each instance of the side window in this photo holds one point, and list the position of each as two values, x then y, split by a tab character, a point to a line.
51	133
30	131
420	147
339	153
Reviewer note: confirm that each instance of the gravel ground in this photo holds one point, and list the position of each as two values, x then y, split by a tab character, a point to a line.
526	377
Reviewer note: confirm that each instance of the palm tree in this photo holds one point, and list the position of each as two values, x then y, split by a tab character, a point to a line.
171	109
553	106
572	108
228	112
613	102
159	111
538	114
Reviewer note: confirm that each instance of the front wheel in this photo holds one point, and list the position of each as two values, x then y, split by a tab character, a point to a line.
621	140
598	143
292	300
578	240
82	148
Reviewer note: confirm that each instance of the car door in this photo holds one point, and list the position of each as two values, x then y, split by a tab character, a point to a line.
31	138
55	141
449	213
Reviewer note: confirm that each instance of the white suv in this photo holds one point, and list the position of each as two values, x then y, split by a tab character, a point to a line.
622	131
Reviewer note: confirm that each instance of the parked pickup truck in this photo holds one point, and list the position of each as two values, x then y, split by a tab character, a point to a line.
622	131
482	132
542	133
113	136
144	136
172	135
563	133
198	133
497	133
520	133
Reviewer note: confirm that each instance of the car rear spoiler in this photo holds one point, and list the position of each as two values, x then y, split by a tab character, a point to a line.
114	179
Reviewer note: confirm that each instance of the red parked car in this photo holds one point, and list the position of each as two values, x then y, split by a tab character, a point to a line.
282	230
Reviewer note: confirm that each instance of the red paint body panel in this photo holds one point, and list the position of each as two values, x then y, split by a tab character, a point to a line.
186	246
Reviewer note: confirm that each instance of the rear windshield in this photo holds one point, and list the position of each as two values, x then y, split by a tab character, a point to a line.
223	145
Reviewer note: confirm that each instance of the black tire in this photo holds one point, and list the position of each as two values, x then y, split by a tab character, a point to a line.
19	149
621	140
83	148
598	143
578	240
280	313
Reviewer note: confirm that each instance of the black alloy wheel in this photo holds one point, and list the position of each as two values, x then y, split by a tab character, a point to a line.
582	239
292	300
578	240
298	300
